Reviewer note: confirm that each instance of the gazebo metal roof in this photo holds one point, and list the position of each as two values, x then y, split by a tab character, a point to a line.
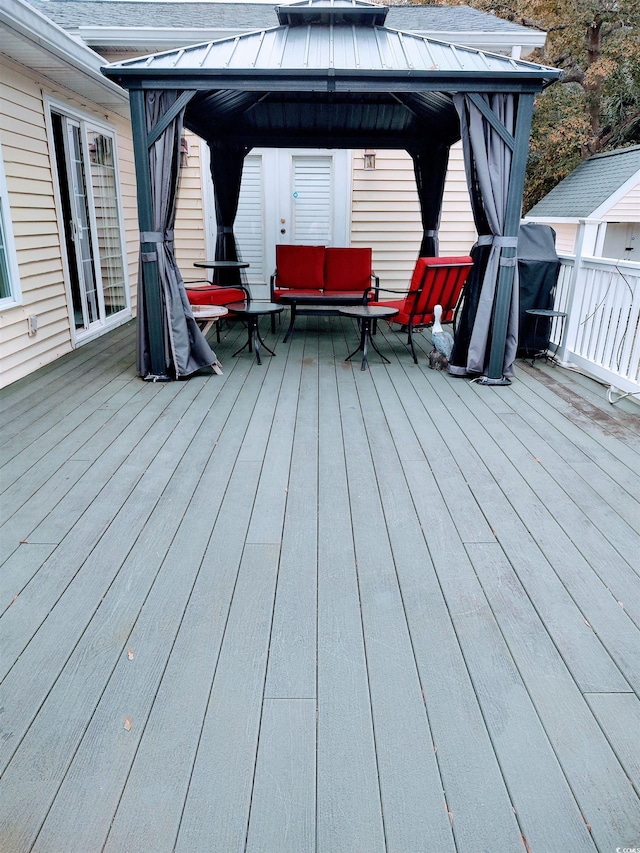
332	75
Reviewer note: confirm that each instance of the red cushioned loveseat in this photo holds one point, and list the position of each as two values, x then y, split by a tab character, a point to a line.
321	279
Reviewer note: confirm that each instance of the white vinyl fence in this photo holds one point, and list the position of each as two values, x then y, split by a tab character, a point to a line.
602	331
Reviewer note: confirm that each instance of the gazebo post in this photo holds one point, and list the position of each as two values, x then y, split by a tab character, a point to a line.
148	259
513	214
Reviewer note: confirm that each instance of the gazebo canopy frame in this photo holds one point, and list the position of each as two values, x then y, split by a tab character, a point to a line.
331	75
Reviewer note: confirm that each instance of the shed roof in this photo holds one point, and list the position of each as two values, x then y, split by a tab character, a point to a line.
590	185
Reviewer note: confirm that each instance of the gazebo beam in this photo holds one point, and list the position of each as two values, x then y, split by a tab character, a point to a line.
148	266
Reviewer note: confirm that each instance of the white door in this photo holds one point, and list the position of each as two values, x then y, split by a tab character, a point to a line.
313	197
286	196
90	217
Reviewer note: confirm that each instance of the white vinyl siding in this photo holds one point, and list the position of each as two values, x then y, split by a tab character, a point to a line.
29	176
627	209
565	236
189	224
249	225
386	213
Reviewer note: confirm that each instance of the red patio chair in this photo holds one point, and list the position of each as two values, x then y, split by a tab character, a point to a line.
435	281
203	293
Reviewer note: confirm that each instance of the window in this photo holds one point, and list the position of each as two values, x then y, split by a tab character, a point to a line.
9	282
90	220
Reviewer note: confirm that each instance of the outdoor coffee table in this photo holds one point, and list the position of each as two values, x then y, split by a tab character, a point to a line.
206	315
251	313
367	315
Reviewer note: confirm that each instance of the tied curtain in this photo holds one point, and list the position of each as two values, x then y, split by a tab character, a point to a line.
226	174
430	169
487	157
186	349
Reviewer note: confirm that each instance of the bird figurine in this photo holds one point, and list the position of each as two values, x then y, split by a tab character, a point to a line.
442	342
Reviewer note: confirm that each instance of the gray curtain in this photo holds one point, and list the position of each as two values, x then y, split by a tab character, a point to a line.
430	168
226	173
488	167
186	349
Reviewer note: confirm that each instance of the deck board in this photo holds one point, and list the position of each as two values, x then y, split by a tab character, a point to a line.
304	607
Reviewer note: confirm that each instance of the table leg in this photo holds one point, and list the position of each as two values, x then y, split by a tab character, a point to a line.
258	339
365	340
292	320
254	339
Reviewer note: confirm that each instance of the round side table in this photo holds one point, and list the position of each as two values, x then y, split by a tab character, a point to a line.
367	314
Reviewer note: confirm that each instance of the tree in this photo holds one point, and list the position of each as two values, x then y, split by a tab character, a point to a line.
596	106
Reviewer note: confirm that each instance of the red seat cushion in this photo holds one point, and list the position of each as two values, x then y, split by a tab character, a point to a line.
211	294
347	269
300	267
402	316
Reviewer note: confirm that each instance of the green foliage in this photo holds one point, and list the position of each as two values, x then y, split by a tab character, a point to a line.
560	125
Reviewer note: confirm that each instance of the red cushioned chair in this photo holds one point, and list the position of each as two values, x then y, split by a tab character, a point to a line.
203	293
297	268
347	270
435	281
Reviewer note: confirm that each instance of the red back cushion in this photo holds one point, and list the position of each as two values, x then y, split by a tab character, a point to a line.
300	267
347	269
444	279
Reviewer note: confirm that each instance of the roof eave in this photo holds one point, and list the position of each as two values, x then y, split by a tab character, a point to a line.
279	79
21	22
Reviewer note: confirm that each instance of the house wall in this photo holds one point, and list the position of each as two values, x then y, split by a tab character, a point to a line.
30	183
566	233
386	213
189	226
627	209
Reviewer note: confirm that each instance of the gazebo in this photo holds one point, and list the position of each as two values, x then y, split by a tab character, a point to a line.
332	75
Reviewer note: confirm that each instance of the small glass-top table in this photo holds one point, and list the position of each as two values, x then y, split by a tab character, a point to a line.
367	314
220	268
251	313
546	315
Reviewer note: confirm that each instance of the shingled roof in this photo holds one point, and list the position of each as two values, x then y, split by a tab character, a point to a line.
71	14
589	186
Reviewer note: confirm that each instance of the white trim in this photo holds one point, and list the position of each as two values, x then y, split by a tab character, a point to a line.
549	220
615	197
20	20
11	256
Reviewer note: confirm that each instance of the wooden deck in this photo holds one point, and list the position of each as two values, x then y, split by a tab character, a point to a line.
301	607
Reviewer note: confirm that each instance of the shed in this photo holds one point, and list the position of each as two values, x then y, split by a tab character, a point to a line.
604	191
331	74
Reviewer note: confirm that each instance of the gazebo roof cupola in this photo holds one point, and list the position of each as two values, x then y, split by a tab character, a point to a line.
332	12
